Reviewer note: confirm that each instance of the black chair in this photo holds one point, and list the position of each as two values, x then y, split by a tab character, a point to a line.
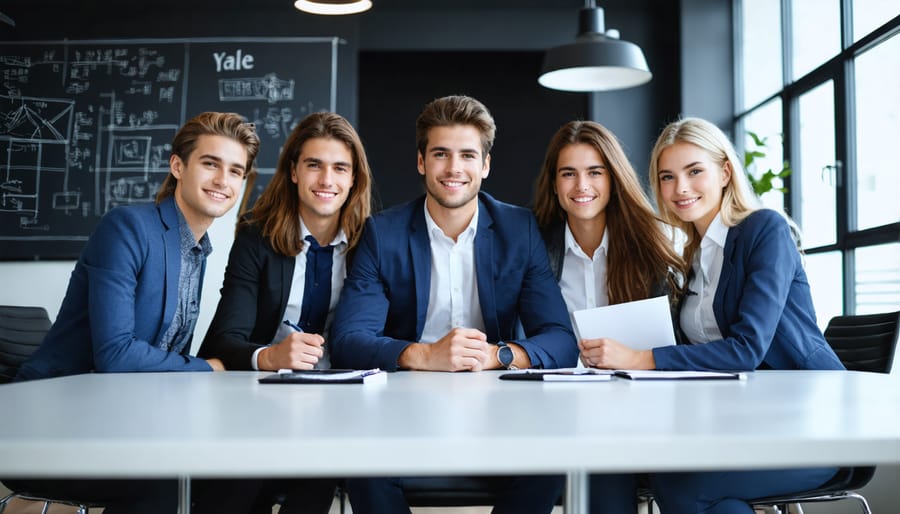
454	491
21	331
864	342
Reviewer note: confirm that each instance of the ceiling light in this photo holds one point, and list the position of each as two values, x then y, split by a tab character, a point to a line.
597	61
333	6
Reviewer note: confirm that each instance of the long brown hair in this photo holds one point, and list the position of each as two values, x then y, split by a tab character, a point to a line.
641	254
277	211
738	199
227	124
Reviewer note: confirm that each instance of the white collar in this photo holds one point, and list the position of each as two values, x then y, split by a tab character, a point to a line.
433	227
572	245
339	239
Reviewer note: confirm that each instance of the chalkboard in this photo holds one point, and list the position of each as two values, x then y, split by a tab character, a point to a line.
88	125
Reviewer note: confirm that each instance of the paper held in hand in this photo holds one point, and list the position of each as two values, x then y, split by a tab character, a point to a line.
640	325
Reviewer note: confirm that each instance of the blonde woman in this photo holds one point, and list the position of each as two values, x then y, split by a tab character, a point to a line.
747	304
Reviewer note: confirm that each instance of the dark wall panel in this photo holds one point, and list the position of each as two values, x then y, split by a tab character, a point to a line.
395	86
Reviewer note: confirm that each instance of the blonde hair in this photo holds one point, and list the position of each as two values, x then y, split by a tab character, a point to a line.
640	253
738	199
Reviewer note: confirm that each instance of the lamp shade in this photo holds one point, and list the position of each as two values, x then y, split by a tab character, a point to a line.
595	61
334	7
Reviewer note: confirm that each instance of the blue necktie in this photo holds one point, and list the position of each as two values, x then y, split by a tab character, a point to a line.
317	289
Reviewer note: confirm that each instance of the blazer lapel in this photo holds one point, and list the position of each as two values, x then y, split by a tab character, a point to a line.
484	271
728	254
172	247
420	251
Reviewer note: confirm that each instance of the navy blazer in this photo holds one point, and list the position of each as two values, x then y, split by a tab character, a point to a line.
120	300
762	306
385	297
255	292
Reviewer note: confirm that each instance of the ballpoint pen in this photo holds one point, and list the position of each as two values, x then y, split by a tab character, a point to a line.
293	325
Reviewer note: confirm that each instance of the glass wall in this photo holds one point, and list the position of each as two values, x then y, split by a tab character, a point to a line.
825	92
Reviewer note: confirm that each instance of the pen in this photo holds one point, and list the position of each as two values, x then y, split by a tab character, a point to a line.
293	325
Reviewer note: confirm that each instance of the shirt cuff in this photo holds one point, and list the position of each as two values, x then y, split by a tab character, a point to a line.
254	360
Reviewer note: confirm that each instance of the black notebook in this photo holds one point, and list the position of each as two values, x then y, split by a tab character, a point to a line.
560	375
325	376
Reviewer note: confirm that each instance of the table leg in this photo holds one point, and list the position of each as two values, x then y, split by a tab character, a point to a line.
577	492
184	495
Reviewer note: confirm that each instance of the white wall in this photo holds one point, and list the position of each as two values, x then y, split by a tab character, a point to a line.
44	283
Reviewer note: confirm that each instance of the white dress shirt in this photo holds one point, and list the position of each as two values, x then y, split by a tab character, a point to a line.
453	299
698	321
583	278
298	282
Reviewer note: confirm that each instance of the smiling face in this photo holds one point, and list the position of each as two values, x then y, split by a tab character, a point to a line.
453	167
582	183
691	183
210	182
324	176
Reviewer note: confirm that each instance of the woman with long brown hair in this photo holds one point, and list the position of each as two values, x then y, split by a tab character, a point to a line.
606	244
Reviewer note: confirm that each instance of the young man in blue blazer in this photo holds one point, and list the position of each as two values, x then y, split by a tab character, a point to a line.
440	283
134	295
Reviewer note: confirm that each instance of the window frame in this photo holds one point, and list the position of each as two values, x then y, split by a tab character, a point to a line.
840	70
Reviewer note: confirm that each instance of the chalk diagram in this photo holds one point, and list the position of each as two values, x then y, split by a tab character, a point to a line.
67	159
87	126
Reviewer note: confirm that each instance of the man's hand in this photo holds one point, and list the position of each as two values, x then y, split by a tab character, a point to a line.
215	364
298	350
462	349
611	354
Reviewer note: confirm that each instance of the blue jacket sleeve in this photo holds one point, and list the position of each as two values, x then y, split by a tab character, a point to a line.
549	339
357	334
754	287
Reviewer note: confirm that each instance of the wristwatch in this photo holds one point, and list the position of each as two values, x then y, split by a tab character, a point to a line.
505	355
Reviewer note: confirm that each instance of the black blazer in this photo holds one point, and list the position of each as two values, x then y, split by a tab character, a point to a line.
254	295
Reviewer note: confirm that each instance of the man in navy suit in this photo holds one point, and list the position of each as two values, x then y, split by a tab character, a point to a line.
133	298
440	284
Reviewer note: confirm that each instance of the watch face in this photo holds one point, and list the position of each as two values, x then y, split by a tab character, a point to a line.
505	355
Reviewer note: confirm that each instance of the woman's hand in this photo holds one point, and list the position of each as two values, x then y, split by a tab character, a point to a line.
611	354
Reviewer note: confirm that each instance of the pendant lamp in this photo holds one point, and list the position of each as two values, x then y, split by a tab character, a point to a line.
335	7
597	61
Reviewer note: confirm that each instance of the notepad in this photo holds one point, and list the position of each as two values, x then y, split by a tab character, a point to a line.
326	376
678	375
560	375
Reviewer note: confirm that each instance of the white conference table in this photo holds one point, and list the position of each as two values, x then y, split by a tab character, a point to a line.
208	425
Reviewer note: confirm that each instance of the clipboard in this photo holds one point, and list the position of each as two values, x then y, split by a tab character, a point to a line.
325	376
560	375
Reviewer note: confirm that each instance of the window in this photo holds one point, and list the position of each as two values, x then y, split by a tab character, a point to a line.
824	94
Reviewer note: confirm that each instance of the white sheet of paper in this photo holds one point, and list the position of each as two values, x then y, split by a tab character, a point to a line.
640	325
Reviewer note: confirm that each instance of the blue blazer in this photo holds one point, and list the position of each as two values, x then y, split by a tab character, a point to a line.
385	297
762	305
120	301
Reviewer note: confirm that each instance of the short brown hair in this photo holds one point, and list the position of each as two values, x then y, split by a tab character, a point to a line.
227	124
278	207
456	110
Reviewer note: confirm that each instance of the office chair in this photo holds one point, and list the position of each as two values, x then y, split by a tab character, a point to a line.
21	331
864	342
82	508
